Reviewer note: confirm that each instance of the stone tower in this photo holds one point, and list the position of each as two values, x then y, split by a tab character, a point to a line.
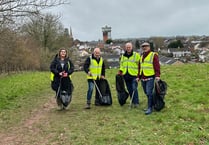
106	31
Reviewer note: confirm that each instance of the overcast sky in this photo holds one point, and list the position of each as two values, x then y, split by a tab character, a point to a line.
135	18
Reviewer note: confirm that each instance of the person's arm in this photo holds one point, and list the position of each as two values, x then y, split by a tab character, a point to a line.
53	68
103	69
156	65
120	72
139	68
71	69
86	65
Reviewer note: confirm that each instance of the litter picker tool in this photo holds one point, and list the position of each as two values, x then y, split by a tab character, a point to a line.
58	90
132	96
98	89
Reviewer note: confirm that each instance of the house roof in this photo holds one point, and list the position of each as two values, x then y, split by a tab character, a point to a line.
204	52
178	49
166	60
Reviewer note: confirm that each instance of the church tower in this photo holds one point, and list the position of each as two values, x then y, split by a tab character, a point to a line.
69	36
71	33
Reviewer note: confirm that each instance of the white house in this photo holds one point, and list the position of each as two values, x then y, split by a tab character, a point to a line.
204	56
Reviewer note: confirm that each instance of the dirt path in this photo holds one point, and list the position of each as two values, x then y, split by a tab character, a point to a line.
20	135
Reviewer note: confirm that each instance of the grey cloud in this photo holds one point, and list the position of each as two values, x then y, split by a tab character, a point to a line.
135	18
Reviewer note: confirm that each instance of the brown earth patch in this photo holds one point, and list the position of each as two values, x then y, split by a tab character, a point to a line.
21	134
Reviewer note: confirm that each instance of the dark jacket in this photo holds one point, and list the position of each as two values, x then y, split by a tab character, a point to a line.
87	64
56	68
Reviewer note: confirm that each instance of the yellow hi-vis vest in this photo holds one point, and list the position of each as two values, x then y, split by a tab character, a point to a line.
52	74
95	68
130	64
147	66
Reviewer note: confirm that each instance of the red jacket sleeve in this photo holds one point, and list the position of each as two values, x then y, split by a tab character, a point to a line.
139	67
156	65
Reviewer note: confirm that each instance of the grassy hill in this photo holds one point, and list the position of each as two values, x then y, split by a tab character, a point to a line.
184	120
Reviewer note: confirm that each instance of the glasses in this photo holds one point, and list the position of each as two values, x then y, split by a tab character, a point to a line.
145	45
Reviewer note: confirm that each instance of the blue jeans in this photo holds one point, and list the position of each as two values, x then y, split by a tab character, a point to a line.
90	90
148	87
132	86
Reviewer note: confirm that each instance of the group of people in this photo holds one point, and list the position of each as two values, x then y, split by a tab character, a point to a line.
134	67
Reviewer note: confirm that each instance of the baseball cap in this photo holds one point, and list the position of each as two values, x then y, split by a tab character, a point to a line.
145	44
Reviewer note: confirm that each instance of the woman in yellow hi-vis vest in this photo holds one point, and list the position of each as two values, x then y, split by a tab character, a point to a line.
95	70
149	71
129	62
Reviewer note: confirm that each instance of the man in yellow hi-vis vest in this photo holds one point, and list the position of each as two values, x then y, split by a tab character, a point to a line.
95	69
129	63
149	71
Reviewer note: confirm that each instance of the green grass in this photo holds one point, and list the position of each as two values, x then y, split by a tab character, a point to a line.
20	86
184	120
20	94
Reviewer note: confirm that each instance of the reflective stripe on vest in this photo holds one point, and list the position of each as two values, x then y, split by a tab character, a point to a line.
147	65
95	68
130	64
52	74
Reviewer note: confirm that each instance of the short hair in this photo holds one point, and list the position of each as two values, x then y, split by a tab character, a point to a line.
129	43
97	49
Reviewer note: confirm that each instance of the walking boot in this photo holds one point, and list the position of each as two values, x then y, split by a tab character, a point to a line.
88	104
148	111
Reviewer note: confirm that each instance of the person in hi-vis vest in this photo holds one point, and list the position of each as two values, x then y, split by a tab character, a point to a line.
149	71
94	67
129	63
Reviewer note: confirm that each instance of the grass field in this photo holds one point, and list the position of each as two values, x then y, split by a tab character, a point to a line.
184	120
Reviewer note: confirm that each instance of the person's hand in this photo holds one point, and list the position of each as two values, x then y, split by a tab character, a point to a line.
102	77
89	73
137	79
64	74
157	78
61	73
120	73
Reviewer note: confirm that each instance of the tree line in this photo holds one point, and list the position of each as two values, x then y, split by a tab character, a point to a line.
29	38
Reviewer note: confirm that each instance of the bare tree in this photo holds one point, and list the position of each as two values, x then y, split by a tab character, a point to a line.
158	41
10	9
48	32
18	53
45	29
